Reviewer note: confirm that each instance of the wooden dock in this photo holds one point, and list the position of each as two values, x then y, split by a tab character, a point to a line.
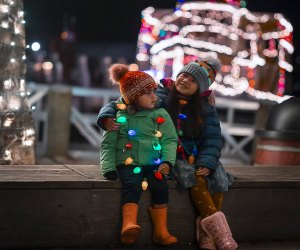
72	206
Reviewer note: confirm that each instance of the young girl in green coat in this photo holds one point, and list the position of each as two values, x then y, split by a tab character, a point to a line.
141	152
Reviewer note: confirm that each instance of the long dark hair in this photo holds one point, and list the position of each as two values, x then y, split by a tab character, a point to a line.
192	126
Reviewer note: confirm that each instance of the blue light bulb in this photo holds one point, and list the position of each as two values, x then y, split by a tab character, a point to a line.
182	116
157	161
195	151
131	132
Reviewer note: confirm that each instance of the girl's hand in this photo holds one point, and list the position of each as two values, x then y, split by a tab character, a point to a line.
164	168
203	171
110	124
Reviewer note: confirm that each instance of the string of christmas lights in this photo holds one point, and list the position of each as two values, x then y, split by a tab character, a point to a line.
133	134
17	133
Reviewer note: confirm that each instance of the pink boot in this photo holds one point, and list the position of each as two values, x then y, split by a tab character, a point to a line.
203	240
216	226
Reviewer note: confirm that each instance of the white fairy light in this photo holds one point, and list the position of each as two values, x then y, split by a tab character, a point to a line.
186	41
21	14
285	65
7	84
7	155
4	24
289	47
4	8
14	102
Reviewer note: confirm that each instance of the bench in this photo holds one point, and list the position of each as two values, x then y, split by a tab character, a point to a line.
72	206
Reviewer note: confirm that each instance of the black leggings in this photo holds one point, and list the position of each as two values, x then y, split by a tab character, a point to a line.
132	185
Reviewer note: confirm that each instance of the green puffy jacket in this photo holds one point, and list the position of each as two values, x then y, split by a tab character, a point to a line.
145	144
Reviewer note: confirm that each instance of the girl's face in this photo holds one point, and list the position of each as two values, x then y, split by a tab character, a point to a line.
148	100
185	84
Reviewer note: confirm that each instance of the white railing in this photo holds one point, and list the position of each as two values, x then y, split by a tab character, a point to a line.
231	130
85	122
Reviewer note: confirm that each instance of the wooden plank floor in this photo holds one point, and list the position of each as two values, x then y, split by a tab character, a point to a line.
71	205
89	175
269	245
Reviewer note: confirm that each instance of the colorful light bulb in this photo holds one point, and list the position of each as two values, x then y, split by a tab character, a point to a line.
182	117
122	119
160	120
158	134
156	146
195	151
183	102
137	170
128	161
157	161
128	145
121	106
144	184
131	132
158	175
191	159
179	149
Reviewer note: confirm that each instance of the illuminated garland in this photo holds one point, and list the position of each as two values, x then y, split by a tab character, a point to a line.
16	124
193	30
131	133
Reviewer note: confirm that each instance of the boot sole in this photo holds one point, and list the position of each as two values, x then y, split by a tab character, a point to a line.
130	235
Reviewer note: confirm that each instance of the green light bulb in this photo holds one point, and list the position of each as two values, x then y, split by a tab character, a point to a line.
137	170
122	119
156	146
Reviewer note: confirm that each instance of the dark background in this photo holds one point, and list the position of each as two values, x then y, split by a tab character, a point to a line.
116	21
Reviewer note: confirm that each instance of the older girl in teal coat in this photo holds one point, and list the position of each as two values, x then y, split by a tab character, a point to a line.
142	151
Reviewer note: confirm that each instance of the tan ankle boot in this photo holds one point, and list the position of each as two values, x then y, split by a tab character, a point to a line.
204	241
130	229
161	234
216	226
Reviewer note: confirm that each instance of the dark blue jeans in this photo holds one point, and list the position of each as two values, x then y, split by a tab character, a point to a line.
132	185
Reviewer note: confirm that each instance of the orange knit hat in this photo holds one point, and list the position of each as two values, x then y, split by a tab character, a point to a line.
132	83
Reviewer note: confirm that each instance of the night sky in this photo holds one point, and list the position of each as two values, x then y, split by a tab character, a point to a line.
116	20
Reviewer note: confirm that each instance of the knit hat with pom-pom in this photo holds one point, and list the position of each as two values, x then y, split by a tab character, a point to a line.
204	72
132	83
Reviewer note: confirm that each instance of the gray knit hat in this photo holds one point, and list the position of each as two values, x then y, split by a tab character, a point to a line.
204	72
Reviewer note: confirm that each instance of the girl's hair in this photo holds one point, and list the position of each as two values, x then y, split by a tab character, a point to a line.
133	107
192	126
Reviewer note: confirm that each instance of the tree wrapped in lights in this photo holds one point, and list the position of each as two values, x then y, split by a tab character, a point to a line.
255	48
17	134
